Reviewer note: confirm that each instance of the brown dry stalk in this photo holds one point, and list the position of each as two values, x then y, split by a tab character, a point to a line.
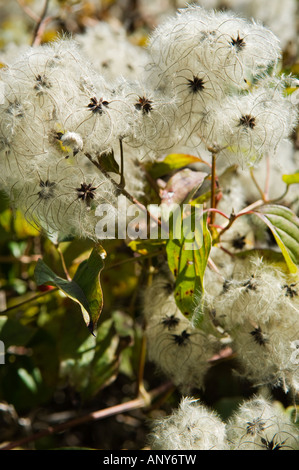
139	402
40	25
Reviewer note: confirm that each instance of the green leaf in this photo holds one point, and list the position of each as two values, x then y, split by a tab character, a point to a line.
87	277
284	225
291	179
105	361
84	289
188	260
14	333
31	381
108	163
44	275
173	161
96	362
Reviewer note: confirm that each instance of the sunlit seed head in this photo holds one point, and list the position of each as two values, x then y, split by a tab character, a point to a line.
170	322
259	424
41	83
247	121
47	189
259	336
144	105
290	290
96	106
196	84
255	426
239	242
181	339
15	109
86	192
238	43
191	426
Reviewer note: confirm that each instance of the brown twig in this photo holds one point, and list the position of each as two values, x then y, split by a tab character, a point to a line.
35	297
134	259
139	402
63	263
40	25
252	206
232	218
24	259
28	11
261	192
122	177
267	181
141	365
213	187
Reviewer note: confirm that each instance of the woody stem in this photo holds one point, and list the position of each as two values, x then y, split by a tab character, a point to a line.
122	178
213	187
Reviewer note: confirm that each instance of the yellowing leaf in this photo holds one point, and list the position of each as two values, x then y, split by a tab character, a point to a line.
291	179
173	161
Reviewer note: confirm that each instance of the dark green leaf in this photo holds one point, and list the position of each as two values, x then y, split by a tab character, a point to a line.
96	361
85	288
145	247
45	275
87	277
108	163
14	333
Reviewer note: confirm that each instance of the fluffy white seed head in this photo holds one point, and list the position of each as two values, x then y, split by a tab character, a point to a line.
259	424
253	125
268	354
190	427
257	304
49	120
279	17
213	40
153	125
111	53
179	350
63	200
254	290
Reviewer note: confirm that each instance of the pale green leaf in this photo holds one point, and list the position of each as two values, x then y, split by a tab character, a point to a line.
188	260
284	225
